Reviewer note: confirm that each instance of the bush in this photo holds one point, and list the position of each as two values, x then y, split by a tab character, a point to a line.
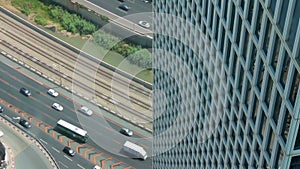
40	20
142	58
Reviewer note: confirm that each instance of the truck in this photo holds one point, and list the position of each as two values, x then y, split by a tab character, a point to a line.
135	150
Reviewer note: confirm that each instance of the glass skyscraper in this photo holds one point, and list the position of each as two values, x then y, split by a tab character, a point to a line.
226	84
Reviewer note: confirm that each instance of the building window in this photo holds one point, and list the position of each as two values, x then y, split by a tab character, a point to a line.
269	90
286	125
285	69
294	87
276	111
250	12
275	52
267	37
258	21
283	13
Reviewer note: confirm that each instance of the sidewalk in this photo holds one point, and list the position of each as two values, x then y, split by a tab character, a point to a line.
22	150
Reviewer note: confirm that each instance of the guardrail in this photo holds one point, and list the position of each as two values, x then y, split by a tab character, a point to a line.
74	49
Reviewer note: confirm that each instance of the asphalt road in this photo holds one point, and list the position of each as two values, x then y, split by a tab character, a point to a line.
138	9
104	134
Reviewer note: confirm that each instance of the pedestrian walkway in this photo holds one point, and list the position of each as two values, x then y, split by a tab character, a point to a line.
22	150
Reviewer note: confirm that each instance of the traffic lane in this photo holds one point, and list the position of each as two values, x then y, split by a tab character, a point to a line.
39	105
63	160
53	146
108	141
136	7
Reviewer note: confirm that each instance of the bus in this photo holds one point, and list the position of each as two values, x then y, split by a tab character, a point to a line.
71	131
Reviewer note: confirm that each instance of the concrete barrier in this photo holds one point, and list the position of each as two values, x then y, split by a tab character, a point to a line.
74	49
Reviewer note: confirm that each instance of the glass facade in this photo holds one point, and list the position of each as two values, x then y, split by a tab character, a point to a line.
226	84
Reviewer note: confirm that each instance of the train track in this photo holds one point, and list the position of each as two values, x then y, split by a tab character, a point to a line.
66	77
84	75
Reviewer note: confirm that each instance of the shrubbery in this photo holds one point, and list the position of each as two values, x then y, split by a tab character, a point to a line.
135	54
40	20
72	22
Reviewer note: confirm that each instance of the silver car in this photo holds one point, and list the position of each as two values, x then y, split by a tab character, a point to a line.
86	110
57	107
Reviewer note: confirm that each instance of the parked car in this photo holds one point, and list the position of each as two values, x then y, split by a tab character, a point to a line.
25	123
122	0
126	132
144	24
57	107
86	110
1	133
1	109
52	92
25	91
69	151
124	7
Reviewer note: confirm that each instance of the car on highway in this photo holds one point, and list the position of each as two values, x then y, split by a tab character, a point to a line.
1	109
124	7
69	151
144	24
25	91
52	92
85	110
57	107
25	123
126	132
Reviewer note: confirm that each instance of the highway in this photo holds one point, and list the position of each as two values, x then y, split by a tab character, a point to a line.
83	75
105	138
135	12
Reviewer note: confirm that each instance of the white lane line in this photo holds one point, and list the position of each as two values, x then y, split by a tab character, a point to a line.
63	164
68	158
80	166
43	141
55	149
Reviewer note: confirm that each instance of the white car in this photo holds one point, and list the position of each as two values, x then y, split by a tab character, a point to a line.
97	167
57	107
52	92
144	24
86	110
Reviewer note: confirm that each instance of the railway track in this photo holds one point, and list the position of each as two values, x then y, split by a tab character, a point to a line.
83	74
84	63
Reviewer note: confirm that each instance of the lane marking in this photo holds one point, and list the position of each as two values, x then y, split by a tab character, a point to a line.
43	141
68	158
55	149
5	82
80	166
63	164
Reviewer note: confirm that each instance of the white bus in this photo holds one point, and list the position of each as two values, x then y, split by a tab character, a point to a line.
72	131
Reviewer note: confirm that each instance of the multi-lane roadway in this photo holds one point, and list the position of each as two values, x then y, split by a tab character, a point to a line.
105	143
138	9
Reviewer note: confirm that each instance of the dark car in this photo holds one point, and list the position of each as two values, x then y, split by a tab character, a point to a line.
122	0
69	151
25	123
25	91
124	7
126	132
1	109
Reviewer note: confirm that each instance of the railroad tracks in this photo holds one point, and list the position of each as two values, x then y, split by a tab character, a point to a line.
83	74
